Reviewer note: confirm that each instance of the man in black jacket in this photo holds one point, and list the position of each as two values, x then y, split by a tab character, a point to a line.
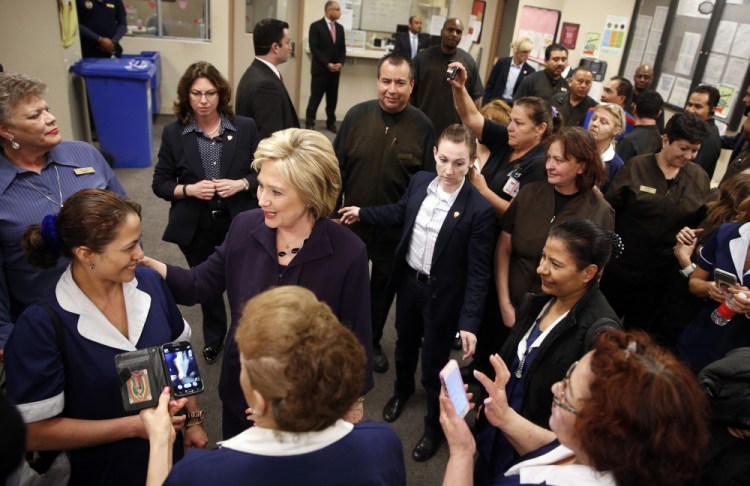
702	103
509	72
408	44
328	51
261	94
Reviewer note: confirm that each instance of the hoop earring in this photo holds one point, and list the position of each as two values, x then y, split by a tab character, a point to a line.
15	145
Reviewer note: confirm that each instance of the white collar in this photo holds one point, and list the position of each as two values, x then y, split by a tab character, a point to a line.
608	154
273	68
522	345
738	249
276	443
92	324
540	470
412	34
450	198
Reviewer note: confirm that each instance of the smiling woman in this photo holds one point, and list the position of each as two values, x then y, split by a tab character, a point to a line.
654	196
61	370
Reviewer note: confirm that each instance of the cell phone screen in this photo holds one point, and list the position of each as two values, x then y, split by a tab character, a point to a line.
451	378
182	369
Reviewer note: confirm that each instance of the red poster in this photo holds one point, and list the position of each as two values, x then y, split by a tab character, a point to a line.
569	35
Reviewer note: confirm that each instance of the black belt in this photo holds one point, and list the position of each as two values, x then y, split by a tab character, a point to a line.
420	277
219	213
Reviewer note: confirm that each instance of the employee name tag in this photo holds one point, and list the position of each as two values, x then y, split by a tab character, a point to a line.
512	187
84	170
110	5
647	189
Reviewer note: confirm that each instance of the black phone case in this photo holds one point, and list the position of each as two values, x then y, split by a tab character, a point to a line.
142	377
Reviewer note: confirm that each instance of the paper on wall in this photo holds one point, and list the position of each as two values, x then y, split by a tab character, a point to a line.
723	38
714	68
688	53
664	88
735	72
741	45
680	91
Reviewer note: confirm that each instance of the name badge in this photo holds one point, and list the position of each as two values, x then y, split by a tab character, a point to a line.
512	187
110	5
647	189
84	170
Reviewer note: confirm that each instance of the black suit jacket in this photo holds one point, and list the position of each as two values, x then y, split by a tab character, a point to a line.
499	76
180	163
462	259
263	97
322	48
403	43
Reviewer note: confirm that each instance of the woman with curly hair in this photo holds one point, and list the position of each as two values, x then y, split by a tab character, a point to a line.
627	413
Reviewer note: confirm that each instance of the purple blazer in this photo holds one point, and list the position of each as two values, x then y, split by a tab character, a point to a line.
332	264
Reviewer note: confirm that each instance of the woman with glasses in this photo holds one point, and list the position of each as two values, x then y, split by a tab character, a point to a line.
628	413
552	330
204	172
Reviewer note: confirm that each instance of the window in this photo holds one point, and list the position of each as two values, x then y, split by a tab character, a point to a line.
168	18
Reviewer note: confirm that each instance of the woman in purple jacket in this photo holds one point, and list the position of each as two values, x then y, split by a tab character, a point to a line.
288	241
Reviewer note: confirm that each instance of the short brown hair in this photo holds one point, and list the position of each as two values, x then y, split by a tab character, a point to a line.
299	356
579	144
307	160
646	419
90	218
733	204
202	69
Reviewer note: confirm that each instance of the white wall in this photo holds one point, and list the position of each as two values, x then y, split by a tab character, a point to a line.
30	36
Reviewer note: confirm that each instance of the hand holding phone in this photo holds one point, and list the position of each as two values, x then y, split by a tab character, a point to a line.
450	377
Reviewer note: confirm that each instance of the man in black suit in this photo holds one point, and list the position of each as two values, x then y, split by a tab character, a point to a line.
508	72
261	94
328	51
408	44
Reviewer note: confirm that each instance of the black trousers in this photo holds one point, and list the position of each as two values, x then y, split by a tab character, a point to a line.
381	254
210	233
328	85
415	327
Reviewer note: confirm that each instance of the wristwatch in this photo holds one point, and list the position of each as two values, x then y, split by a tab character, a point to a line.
195	415
246	185
685	272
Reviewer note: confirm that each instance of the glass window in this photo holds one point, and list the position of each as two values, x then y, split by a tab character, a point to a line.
169	18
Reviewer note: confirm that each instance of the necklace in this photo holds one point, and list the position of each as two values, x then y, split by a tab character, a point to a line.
208	134
293	251
48	197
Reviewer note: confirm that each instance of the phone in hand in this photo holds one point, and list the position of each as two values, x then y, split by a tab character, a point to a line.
724	279
452	71
450	376
182	371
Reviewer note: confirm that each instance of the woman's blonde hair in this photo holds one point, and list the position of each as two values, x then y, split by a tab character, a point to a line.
306	159
522	44
617	112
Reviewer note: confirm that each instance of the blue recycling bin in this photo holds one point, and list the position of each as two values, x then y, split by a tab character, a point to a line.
154	57
119	92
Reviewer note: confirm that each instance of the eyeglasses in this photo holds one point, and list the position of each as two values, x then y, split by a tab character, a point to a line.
562	386
197	95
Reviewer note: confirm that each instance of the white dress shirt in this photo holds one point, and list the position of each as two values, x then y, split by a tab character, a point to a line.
513	73
432	213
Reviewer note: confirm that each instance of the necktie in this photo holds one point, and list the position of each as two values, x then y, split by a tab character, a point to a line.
413	46
332	25
281	78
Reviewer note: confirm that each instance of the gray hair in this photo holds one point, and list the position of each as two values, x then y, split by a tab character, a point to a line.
15	87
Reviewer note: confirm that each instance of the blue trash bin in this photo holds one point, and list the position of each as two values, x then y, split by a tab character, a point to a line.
154	57
119	92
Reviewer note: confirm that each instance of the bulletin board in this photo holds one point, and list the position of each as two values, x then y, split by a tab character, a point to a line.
539	25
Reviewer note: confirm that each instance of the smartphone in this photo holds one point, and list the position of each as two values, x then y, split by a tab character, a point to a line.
182	370
450	376
452	71
724	279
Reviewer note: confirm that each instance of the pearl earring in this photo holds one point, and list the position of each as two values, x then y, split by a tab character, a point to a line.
15	145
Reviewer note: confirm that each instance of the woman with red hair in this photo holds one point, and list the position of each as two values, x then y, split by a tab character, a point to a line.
628	413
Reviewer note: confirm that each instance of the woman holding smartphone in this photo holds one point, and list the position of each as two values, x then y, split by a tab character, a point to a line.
60	359
721	277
